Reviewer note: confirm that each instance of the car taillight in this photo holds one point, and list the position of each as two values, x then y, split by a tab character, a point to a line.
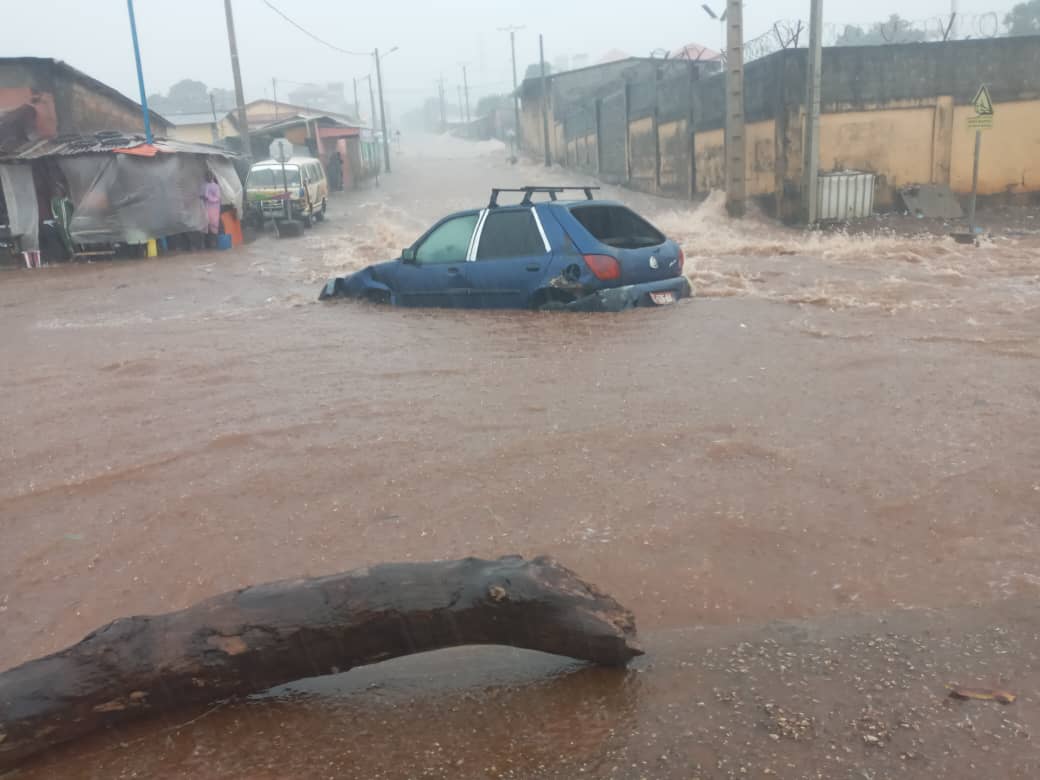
682	259
603	267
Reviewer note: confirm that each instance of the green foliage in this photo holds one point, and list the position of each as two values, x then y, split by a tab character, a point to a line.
894	30
1024	19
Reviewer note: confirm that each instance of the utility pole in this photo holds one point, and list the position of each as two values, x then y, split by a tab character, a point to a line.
372	101
382	112
735	140
811	136
440	92
216	125
274	91
465	90
357	105
545	102
240	100
462	116
512	30
140	73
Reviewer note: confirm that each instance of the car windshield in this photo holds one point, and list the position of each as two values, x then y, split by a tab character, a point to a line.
267	178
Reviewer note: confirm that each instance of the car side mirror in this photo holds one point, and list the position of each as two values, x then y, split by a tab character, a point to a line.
408	255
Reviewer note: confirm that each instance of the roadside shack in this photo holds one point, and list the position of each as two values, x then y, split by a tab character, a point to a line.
106	193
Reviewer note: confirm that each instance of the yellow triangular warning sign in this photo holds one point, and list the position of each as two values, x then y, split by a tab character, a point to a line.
982	102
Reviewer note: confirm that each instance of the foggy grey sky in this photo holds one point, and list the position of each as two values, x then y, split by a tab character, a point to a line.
187	38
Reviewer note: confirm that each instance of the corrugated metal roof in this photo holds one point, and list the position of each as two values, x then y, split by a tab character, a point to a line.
105	143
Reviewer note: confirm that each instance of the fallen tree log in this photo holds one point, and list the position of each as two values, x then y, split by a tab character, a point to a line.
252	639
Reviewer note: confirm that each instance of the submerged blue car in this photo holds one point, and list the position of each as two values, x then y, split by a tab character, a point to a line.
581	255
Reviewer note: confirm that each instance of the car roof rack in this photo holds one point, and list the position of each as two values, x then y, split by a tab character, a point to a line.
552	192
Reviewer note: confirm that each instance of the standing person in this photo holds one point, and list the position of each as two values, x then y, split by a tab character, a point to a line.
335	171
211	202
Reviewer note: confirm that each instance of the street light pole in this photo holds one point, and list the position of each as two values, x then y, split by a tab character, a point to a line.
811	142
465	90
545	102
240	100
736	185
140	73
382	112
512	30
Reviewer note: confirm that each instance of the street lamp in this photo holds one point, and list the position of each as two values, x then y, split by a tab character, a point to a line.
140	73
512	30
722	28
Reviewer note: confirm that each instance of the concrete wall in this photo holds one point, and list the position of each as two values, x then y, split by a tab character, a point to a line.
68	102
898	111
201	133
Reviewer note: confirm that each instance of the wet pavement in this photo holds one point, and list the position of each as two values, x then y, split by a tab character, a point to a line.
839	426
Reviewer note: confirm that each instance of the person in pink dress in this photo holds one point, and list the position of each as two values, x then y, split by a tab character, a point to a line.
211	202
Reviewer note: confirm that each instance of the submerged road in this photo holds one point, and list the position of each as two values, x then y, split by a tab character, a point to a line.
837	427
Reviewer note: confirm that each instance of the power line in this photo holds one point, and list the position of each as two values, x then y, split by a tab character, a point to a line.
308	33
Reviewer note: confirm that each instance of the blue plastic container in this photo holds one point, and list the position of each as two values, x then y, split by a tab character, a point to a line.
224	241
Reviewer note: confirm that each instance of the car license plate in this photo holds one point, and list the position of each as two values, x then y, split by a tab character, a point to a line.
663	298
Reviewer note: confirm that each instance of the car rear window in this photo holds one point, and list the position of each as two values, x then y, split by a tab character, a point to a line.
510	234
617	226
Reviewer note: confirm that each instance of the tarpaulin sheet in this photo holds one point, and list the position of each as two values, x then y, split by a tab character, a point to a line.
230	185
22	210
119	198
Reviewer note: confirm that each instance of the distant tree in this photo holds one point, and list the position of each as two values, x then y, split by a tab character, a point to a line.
1024	19
894	30
489	103
223	99
188	96
191	97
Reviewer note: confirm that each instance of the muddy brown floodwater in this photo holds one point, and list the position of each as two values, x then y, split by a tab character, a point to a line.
838	428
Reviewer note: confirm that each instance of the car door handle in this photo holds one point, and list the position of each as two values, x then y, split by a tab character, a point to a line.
534	267
453	271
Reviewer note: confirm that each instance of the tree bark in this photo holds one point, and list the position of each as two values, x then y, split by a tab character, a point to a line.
249	640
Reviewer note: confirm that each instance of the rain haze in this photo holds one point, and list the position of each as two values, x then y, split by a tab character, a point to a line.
673	417
188	40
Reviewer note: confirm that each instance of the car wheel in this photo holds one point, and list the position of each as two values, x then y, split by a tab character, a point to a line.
308	219
320	216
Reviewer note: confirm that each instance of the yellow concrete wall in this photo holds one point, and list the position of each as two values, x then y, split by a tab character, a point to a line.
709	151
199	134
895	144
673	143
642	154
1009	160
760	176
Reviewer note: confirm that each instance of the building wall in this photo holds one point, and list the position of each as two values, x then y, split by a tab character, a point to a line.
674	142
864	141
66	103
82	109
897	111
710	160
198	133
1009	159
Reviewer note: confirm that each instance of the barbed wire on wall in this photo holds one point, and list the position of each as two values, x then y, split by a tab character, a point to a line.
788	34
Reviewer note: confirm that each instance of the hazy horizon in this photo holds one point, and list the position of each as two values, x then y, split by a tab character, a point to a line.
432	41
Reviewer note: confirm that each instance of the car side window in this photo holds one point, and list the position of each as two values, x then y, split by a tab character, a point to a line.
510	234
449	242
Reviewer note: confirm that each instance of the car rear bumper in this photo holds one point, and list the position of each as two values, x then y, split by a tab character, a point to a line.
632	295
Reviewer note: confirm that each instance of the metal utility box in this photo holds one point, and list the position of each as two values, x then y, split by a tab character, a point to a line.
845	195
